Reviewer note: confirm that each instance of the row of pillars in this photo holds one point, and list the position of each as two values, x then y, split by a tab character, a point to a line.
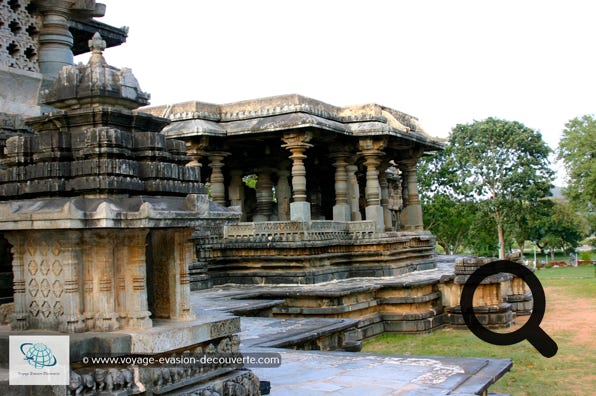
347	194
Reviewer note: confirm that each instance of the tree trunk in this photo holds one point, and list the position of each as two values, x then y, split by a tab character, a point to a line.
521	244
445	247
501	240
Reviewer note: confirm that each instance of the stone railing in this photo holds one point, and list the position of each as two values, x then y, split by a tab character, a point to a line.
291	231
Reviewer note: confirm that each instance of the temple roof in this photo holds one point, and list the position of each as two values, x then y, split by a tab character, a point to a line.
285	112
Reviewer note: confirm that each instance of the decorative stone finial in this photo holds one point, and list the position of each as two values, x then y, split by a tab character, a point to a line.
95	84
97	44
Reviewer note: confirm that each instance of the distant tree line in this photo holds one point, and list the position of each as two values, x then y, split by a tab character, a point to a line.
488	191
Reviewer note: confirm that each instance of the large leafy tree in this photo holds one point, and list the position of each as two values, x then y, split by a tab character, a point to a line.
529	220
562	229
577	149
482	236
500	163
449	221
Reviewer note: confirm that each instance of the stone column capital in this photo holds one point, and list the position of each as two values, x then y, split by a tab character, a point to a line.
412	159
371	145
296	140
216	158
197	148
407	163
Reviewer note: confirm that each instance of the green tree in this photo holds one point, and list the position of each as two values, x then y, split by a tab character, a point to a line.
482	239
449	220
497	162
561	229
522	224
577	149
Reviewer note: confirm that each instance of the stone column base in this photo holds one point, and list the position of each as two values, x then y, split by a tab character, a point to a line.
375	213
342	212
300	211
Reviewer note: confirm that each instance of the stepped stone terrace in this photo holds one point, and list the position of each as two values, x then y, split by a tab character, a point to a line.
335	197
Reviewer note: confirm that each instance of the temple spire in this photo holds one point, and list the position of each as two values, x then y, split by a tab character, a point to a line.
97	45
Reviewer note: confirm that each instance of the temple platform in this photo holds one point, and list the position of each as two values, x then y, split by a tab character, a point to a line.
354	374
299	253
408	303
313	347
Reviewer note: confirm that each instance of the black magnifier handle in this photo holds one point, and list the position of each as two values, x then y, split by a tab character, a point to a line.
543	343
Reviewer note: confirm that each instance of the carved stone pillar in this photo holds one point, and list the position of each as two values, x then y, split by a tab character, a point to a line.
184	254
68	244
284	193
385	201
131	280
236	189
353	193
20	319
297	143
264	195
411	215
341	209
55	40
99	285
218	188
371	150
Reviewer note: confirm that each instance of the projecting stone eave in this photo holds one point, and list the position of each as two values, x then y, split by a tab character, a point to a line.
99	116
290	112
124	212
266	107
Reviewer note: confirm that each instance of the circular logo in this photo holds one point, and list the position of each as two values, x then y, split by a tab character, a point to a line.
531	330
38	355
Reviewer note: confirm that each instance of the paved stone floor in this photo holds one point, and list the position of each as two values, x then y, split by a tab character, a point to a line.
343	373
359	374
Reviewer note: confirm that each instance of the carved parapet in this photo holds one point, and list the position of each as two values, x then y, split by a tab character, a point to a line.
292	231
362	229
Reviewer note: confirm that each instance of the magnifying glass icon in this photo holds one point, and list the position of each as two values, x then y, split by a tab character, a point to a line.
531	330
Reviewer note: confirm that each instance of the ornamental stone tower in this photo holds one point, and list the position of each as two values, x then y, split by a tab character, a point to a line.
96	201
99	209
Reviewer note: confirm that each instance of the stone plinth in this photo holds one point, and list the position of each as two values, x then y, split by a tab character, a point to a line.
71	276
212	333
518	294
383	305
310	252
490	305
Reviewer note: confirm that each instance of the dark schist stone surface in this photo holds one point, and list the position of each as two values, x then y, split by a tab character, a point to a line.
305	372
346	373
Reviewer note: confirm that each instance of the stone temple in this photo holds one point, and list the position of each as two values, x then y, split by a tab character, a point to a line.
336	193
274	225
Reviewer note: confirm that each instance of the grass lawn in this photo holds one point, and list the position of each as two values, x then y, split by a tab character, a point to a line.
569	320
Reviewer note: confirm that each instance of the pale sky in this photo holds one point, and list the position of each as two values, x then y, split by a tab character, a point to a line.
444	62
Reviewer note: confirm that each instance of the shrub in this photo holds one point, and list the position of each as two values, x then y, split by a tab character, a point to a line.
585	255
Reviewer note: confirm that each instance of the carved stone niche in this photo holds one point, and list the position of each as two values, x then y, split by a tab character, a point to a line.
79	280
